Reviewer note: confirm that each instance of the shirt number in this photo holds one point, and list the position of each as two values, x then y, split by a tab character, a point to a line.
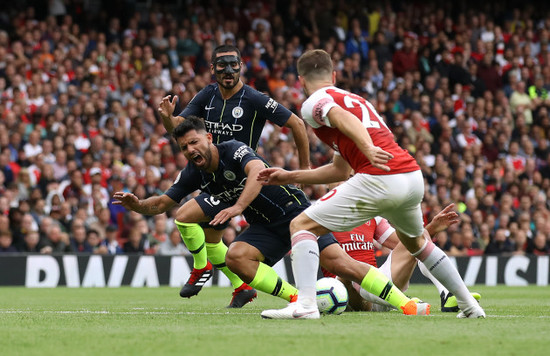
366	110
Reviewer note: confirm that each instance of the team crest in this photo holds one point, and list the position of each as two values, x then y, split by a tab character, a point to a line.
237	112
229	175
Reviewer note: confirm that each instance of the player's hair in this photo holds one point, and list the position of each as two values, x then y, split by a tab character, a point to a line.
315	64
190	123
222	49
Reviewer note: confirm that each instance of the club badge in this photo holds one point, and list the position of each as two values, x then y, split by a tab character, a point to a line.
237	112
229	175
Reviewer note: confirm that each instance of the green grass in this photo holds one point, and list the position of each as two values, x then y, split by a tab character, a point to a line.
128	321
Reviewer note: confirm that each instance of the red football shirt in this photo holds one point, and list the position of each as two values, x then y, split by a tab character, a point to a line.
315	110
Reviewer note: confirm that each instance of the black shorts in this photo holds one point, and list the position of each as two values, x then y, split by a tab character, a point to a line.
210	207
273	240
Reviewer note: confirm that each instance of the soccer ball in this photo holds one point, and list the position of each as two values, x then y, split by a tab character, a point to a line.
332	296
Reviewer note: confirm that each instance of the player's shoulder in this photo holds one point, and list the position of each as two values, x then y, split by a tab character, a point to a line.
248	90
253	95
312	107
234	149
207	92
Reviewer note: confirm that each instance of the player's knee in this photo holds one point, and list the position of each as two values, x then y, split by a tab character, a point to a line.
300	222
182	218
236	257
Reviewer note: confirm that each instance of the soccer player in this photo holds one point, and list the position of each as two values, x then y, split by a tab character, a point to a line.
232	110
228	172
399	265
387	182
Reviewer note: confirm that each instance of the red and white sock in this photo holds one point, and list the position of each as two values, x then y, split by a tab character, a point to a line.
439	265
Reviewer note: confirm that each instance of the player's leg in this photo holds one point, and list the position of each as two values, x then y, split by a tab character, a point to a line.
402	266
439	264
187	218
377	304
336	211
253	253
406	216
355	301
216	251
371	279
206	245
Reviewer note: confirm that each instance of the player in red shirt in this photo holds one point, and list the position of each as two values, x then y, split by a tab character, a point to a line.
387	182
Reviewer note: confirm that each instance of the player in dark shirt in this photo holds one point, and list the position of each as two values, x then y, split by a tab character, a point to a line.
232	110
228	171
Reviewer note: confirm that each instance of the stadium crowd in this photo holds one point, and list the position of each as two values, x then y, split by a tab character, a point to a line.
465	90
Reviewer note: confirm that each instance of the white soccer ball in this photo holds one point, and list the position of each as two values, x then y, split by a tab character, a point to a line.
332	296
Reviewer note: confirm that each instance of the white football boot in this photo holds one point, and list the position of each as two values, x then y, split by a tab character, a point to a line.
292	311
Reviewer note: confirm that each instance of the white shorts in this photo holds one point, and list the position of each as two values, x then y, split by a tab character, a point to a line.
396	197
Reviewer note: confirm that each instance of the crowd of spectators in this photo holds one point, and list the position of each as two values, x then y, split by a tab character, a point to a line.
464	89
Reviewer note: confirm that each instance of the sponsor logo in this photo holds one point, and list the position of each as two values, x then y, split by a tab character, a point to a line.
221	128
358	246
240	153
271	104
297	315
207	108
212	201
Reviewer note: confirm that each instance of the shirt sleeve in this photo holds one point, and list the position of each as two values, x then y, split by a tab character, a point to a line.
186	183
196	105
270	109
241	153
383	230
315	109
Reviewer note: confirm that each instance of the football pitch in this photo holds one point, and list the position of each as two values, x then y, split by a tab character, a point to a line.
156	321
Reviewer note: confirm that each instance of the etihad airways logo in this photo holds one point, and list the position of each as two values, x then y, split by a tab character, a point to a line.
222	128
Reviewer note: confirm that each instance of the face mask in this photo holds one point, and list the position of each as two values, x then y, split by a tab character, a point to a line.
227	61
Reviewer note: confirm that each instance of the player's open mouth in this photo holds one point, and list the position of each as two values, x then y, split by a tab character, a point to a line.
197	158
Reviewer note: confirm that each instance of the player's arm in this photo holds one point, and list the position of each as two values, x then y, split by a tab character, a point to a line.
166	112
348	124
300	138
252	188
336	171
150	206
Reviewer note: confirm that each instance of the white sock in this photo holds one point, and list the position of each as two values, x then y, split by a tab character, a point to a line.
438	263
440	287
305	264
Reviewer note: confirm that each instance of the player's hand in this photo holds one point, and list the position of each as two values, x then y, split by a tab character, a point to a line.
378	158
444	219
274	176
167	106
127	200
226	214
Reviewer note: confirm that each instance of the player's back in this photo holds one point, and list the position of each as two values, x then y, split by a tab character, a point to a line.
317	106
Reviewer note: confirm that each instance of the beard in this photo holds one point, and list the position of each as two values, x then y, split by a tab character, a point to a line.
224	83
